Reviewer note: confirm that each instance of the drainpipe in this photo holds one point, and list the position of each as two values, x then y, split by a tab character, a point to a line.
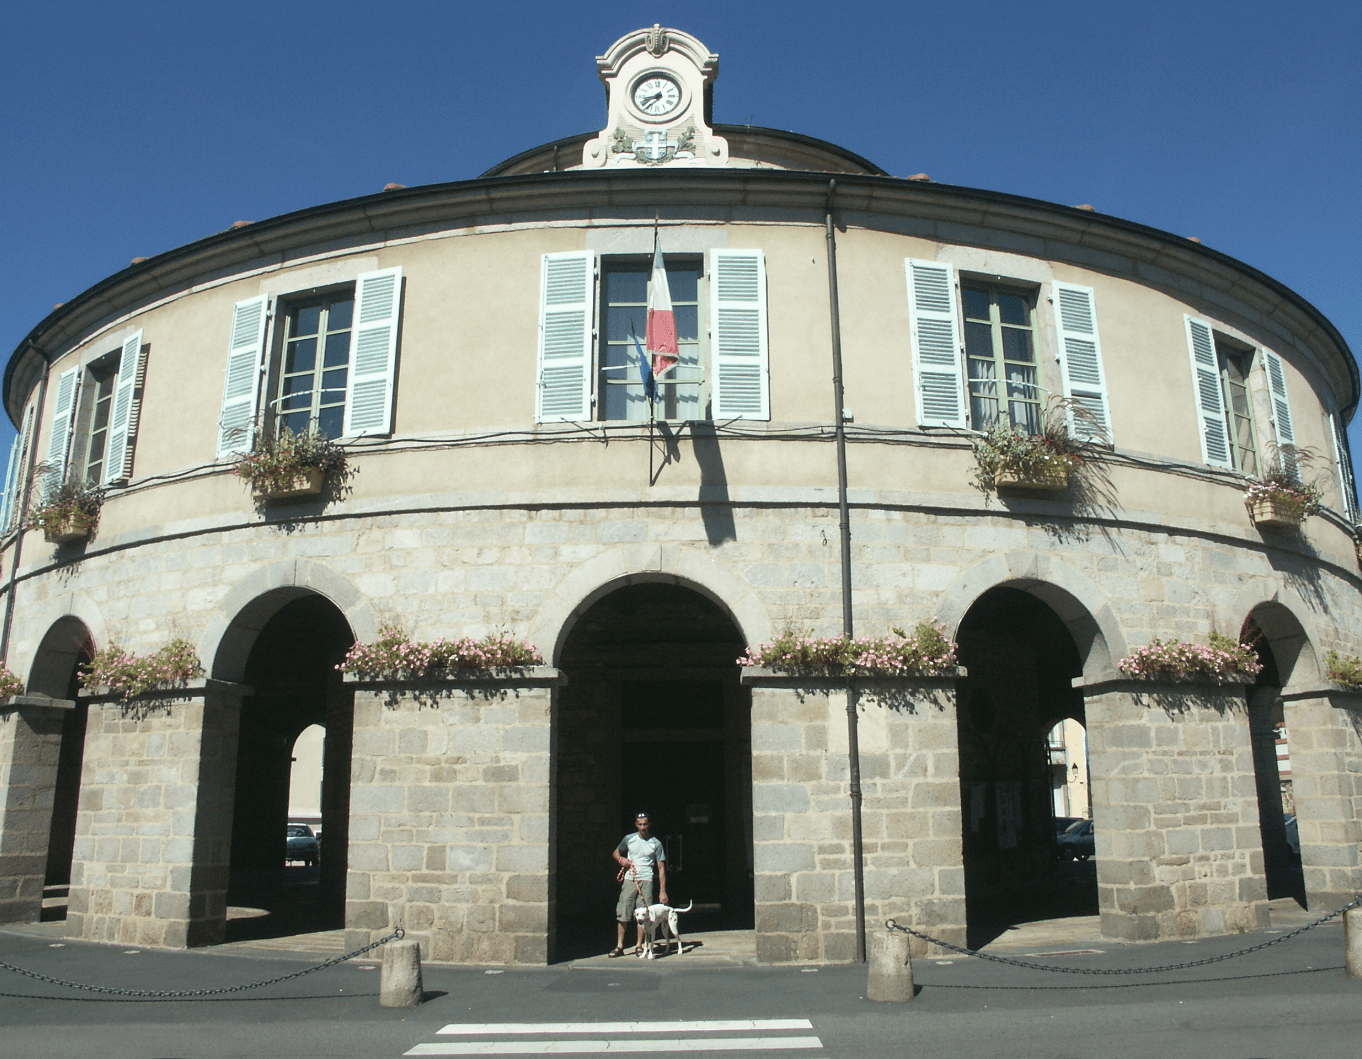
844	525
27	489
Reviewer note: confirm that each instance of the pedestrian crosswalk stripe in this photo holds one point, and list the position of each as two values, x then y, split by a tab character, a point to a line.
711	1026
682	1044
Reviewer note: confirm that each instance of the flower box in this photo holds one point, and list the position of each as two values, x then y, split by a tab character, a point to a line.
1276	512
76	526
1046	479
307	482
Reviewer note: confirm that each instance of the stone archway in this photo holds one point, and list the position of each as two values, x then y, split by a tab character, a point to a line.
652	718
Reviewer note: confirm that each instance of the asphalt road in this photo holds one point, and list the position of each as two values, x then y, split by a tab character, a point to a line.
1290	1000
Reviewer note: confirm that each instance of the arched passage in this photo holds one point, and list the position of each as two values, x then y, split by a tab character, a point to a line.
652	718
1022	660
290	666
55	673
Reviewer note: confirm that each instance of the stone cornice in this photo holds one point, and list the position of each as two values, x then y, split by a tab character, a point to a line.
824	678
199	688
15	702
495	677
947	213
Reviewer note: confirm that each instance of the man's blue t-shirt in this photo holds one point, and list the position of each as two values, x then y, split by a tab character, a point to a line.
644	852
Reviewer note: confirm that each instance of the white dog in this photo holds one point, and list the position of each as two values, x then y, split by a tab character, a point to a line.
651	917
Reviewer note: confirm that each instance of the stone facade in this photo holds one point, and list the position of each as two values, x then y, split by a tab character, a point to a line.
1175	805
30	742
155	819
449	816
802	838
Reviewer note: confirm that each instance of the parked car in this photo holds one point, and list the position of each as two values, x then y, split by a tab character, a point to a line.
1293	835
302	845
1078	842
1063	823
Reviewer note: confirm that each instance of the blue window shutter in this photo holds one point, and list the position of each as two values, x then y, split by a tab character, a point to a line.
241	388
122	422
1210	400
738	335
934	327
373	353
567	309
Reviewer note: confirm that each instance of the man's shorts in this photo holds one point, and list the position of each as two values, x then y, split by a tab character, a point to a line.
630	898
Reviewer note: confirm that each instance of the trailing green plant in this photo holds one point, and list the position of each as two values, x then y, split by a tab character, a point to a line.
10	684
127	674
69	504
395	651
1222	656
1344	669
1283	482
926	650
1068	432
276	460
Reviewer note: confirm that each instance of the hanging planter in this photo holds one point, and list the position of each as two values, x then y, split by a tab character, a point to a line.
1282	500
1222	660
1275	512
68	513
1007	457
288	466
1044	477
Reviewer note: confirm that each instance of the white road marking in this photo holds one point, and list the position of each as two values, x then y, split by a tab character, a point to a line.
711	1026
691	1044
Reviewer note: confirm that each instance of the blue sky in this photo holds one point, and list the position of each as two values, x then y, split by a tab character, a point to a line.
132	128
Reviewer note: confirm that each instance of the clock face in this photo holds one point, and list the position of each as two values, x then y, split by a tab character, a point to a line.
656	95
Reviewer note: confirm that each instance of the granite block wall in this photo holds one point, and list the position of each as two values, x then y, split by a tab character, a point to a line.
30	746
1175	804
1325	727
153	827
449	818
802	838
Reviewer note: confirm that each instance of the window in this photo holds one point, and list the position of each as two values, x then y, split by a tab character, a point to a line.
94	418
99	386
1234	371
993	374
624	314
588	365
332	367
1000	350
1221	376
315	367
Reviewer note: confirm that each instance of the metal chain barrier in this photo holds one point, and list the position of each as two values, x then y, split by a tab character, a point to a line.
1029	965
172	994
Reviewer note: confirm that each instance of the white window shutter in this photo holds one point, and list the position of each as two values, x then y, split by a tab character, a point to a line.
934	324
63	418
1347	486
121	426
1282	429
739	353
373	353
241	390
1080	357
567	309
1210	400
14	475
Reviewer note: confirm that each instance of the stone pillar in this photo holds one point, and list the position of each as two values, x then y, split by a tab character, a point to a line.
1324	736
30	746
449	814
910	781
154	822
1175	806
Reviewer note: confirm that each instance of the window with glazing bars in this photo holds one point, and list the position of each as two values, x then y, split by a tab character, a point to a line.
1000	348
315	366
1234	369
681	392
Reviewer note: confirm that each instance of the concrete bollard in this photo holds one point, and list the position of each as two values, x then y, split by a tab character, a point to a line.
1352	942
401	984
891	968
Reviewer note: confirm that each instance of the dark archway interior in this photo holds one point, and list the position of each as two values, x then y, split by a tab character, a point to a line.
1267	725
652	718
1021	661
292	670
56	673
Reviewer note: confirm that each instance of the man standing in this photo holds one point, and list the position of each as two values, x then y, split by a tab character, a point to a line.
643	864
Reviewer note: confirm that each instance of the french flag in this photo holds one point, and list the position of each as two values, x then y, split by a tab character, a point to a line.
661	334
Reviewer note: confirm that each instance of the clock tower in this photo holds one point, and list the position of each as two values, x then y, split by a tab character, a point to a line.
657	86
